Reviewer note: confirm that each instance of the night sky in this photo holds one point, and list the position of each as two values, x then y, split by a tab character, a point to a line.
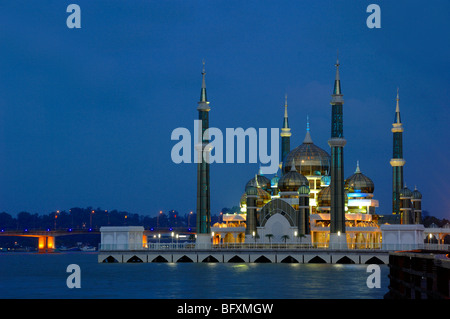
86	115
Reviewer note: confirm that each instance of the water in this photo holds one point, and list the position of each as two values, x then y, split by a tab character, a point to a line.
31	275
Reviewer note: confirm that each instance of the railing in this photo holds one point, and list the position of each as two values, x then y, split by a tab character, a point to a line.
267	246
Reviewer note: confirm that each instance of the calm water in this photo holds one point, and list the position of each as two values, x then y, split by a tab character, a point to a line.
30	275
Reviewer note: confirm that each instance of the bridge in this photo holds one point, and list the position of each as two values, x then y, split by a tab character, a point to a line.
46	238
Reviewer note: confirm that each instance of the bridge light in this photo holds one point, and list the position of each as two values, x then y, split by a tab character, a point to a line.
48	229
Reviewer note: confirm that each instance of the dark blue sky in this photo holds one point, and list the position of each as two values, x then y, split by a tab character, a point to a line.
86	114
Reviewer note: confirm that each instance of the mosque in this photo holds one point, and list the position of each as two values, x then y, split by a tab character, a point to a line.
311	201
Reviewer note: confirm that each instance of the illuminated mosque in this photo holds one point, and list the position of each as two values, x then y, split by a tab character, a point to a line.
311	202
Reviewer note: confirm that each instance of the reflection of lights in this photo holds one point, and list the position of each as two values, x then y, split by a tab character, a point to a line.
241	267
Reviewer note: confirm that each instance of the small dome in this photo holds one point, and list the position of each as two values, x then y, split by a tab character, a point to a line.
291	181
324	197
325	181
416	194
359	183
262	194
304	189
405	193
263	182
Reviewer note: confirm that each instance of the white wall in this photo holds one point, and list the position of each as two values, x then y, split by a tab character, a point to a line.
121	237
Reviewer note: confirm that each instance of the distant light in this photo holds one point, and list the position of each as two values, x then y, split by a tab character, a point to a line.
189	229
3	230
70	229
90	229
152	229
25	230
170	228
48	229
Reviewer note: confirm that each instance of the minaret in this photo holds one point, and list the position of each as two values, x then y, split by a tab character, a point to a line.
337	143
285	134
203	191
397	160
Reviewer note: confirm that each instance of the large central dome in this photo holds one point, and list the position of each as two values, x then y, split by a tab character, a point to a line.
309	159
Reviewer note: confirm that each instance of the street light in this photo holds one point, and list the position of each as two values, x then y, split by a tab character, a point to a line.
56	216
157	219
189	216
295	235
90	218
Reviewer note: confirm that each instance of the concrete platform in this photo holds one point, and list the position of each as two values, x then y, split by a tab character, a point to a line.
248	256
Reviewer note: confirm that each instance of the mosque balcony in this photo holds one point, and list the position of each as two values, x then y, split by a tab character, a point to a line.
337	98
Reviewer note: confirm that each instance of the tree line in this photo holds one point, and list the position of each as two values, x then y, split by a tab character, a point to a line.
86	218
93	218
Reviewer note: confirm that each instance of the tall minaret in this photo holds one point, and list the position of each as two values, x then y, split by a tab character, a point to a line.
337	143
203	191
397	160
285	134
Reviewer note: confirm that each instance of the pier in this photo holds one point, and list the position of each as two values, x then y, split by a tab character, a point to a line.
130	245
277	253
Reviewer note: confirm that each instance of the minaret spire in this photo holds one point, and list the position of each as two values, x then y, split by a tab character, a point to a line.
337	81
397	118
285	120
203	97
357	167
285	134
